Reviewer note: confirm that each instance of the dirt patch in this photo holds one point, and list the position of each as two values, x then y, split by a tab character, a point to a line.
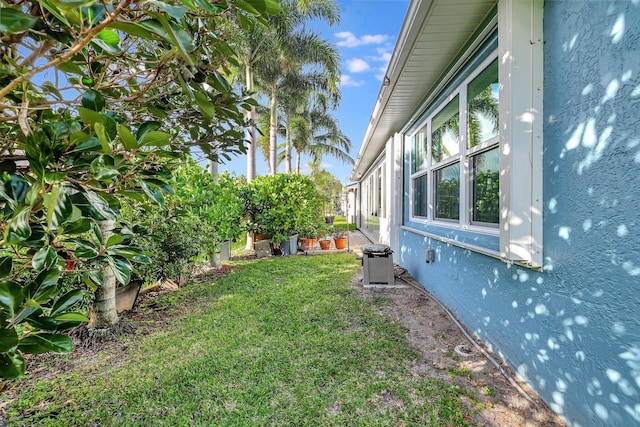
447	355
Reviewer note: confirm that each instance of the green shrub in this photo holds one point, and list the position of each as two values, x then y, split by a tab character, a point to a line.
283	204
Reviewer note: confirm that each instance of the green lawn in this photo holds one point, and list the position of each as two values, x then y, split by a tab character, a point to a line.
278	342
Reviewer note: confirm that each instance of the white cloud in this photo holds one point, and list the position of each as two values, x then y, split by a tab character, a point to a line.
351	40
346	80
357	65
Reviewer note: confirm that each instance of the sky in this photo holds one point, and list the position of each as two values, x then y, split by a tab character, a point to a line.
365	39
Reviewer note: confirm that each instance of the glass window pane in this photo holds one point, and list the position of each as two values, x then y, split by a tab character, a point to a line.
445	131
486	187
483	106
447	183
420	188
419	153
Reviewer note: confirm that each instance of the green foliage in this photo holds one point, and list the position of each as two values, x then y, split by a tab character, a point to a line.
101	131
487	197
218	204
173	238
280	342
279	205
193	221
448	198
329	188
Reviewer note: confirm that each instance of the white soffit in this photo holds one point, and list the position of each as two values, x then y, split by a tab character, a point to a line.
433	34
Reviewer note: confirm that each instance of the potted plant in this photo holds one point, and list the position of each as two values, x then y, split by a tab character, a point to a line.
340	238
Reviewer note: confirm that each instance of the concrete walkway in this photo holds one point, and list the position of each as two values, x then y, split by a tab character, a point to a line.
356	241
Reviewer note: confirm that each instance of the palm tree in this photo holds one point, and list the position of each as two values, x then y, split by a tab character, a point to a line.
317	132
264	44
300	59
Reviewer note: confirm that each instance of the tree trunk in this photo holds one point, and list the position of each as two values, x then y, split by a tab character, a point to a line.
103	313
251	130
213	167
287	155
297	162
273	132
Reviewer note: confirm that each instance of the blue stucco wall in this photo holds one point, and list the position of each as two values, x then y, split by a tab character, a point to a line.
572	330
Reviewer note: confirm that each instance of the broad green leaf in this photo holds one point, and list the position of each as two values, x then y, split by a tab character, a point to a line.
188	3
103	168
63	210
41	322
161	184
6	264
132	28
100	205
79	226
177	36
85	249
68	5
90	144
157	112
18	229
155	138
121	269
19	187
128	252
205	105
126	138
66	301
244	22
72	317
271	6
177	12
56	11
93	100
90	117
153	192
43	286
49	88
211	8
45	342
102	136
224	84
34	194
97	236
71	68
13	21
108	40
50	201
147	127
114	239
11	296
249	7
44	259
8	340
12	365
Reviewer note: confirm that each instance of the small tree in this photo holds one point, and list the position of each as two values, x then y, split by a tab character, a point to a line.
72	146
279	205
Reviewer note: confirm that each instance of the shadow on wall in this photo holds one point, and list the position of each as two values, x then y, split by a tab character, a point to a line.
571	331
596	114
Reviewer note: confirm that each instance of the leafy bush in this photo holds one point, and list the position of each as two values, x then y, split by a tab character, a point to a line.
283	204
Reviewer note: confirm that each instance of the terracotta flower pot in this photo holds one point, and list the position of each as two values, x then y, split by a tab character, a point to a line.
341	242
325	244
308	244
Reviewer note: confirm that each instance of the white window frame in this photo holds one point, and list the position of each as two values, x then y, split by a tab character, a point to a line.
520	46
520	70
463	158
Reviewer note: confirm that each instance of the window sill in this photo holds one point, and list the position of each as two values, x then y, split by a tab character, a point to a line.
485	244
